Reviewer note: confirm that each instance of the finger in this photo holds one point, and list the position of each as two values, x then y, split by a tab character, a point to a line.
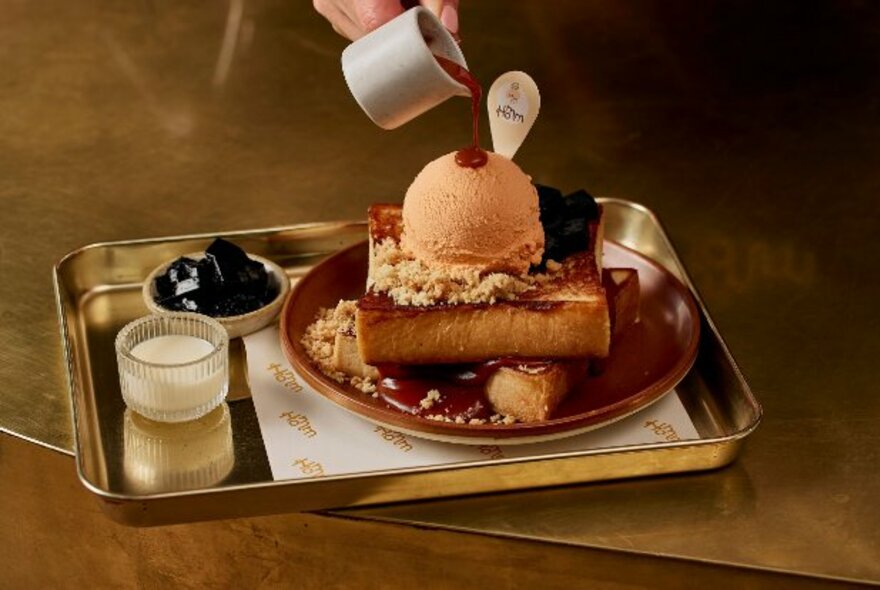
371	14
325	8
339	20
346	28
349	28
449	16
435	6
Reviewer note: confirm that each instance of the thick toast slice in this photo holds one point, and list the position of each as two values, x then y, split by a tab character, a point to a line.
564	317
524	393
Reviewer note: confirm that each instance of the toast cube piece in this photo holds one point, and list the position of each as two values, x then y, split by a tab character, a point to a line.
347	358
533	396
524	393
622	288
566	316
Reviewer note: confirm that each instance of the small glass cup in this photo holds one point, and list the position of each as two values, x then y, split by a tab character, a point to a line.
173	367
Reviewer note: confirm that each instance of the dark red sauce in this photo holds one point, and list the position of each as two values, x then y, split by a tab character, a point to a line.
471	156
461	387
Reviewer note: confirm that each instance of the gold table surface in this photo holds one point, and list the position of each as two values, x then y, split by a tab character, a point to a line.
752	129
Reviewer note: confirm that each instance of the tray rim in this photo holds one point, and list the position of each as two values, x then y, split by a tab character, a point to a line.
409	471
310	225
732	440
704	309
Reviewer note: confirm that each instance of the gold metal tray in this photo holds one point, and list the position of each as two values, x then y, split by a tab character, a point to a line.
98	290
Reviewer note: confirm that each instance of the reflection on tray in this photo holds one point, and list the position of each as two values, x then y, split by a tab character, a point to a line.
168	457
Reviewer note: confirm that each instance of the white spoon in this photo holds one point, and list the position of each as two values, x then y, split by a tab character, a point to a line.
513	102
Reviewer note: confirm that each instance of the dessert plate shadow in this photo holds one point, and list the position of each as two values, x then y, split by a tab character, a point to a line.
646	362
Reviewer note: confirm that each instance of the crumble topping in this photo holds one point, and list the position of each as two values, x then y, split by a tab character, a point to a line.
413	282
365	384
532	369
445	418
553	266
318	341
494	419
345	315
499	419
428	401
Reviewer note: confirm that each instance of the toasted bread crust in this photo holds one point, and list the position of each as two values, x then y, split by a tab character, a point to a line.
473	333
565	317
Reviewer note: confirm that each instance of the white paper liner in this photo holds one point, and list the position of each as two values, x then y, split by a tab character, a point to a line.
306	435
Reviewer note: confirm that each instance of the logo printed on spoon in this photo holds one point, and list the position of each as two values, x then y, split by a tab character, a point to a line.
513	102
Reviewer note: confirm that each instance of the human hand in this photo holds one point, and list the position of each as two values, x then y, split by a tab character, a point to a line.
356	18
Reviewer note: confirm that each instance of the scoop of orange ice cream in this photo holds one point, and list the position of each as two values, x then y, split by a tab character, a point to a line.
485	217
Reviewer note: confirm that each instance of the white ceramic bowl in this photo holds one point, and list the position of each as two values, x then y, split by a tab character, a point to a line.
236	325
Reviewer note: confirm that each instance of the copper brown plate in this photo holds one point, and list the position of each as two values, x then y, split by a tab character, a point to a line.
646	362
